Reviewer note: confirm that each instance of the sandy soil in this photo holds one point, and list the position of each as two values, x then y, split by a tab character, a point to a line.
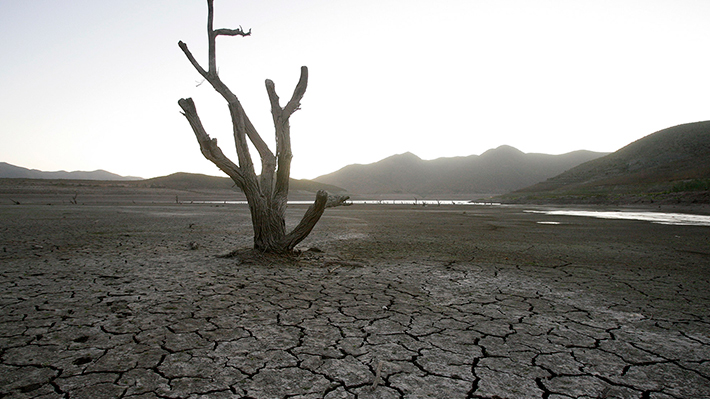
129	300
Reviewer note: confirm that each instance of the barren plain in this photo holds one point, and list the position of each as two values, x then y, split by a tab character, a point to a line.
129	300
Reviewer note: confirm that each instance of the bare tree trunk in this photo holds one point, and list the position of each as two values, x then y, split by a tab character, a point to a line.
267	193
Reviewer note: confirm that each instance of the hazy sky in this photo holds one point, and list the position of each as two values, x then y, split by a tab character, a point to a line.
92	84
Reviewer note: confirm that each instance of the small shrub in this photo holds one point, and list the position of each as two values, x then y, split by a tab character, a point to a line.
692	185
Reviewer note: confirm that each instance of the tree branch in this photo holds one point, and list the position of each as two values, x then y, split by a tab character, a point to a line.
309	220
208	146
283	130
294	103
268	160
273	99
283	144
211	40
193	61
239	131
212	36
336	200
232	32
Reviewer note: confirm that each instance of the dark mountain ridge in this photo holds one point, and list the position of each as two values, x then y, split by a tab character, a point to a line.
498	170
177	187
17	172
662	162
176	181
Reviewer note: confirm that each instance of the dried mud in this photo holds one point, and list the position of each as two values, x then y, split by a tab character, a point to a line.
130	301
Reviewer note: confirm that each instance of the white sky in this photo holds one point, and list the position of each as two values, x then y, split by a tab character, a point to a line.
90	84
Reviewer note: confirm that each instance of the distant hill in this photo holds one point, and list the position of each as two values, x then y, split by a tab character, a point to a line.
176	181
669	161
496	171
178	187
194	181
16	172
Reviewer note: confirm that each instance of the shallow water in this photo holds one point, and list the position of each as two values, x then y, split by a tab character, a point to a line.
682	219
373	202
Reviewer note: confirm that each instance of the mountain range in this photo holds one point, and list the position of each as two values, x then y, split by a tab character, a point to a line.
496	171
672	160
17	172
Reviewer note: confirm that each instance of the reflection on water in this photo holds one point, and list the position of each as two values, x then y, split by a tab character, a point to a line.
420	202
654	217
372	202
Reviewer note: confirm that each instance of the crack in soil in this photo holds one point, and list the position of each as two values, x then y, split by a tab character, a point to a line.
411	317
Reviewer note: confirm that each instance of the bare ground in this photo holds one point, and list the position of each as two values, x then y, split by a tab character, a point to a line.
130	301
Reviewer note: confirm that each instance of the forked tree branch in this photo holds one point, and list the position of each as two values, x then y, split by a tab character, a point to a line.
212	36
283	130
294	103
268	160
233	102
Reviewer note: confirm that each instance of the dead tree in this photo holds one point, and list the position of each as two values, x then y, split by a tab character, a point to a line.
266	193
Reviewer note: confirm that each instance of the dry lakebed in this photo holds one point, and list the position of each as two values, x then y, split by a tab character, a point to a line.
130	300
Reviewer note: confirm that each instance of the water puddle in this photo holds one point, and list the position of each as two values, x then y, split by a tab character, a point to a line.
681	219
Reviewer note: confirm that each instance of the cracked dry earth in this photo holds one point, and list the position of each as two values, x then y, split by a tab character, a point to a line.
439	302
